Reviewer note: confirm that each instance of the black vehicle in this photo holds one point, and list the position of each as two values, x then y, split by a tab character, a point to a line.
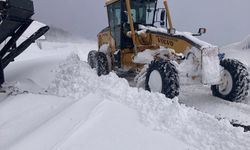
15	19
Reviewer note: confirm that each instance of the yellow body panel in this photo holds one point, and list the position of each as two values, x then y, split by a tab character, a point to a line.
131	23
106	38
150	41
178	44
168	14
110	1
127	58
103	38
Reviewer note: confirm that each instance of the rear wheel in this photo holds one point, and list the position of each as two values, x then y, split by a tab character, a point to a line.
92	59
162	76
235	81
102	64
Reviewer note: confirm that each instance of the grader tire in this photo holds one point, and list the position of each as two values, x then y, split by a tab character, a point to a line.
162	76
102	66
235	84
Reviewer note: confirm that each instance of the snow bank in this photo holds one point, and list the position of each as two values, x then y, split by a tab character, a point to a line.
242	45
239	50
211	69
108	130
75	79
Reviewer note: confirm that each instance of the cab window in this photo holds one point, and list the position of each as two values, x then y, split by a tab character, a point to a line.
114	14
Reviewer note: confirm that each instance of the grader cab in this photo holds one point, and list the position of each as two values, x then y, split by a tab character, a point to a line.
142	12
141	42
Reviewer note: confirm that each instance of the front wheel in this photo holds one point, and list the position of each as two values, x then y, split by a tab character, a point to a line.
162	76
235	81
102	64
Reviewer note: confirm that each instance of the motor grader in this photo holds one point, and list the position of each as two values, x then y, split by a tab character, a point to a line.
141	42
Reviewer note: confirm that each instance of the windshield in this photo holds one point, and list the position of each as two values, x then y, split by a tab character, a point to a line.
143	11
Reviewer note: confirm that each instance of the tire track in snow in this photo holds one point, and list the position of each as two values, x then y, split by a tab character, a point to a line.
76	127
52	133
200	97
30	119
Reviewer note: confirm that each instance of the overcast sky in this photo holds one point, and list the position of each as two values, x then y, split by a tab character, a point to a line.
227	21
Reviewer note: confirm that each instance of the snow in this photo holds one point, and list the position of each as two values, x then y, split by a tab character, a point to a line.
147	56
104	48
244	44
60	127
155	110
189	36
58	102
123	129
22	114
238	50
211	70
144	57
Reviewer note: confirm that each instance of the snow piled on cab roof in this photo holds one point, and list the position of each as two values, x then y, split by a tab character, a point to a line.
195	128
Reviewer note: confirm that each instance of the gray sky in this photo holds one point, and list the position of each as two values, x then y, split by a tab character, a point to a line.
227	21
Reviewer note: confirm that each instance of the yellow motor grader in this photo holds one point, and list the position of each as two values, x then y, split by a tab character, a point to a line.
141	42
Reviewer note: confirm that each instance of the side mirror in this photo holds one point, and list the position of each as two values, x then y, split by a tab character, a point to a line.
202	31
163	15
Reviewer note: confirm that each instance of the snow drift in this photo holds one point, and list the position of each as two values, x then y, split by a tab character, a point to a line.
244	44
79	110
239	50
197	129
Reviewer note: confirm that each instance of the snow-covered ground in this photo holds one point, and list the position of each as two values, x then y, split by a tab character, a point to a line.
56	102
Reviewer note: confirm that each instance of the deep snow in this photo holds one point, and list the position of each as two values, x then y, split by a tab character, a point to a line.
47	120
58	102
197	129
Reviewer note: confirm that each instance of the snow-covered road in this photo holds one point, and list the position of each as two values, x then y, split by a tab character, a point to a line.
58	102
201	98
